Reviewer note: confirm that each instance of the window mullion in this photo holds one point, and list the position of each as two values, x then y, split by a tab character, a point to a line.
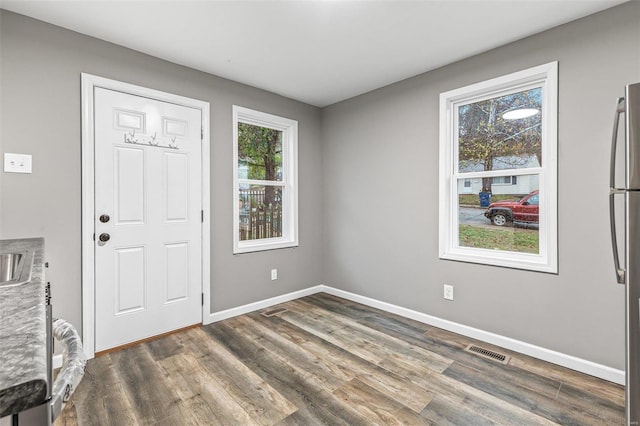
496	173
262	182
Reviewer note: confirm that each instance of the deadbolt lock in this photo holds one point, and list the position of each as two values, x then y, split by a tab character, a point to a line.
104	218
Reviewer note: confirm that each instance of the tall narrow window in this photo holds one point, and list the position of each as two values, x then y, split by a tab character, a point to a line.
265	181
500	133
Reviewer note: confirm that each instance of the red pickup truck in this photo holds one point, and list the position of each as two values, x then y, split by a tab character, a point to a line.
523	212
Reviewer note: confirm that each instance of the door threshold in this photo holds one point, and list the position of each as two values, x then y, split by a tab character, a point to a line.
148	339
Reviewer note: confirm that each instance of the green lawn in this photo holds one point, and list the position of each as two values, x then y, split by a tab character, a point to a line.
474	200
509	239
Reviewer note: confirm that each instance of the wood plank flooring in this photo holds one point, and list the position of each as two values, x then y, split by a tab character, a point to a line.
329	361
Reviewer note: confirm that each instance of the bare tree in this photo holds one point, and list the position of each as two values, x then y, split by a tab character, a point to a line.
484	135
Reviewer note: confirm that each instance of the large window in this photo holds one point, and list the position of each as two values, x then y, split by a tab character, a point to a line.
265	181
498	203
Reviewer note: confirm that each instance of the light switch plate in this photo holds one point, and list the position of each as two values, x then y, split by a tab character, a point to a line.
17	163
448	292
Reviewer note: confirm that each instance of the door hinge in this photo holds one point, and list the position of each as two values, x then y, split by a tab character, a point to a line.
201	133
202	298
201	216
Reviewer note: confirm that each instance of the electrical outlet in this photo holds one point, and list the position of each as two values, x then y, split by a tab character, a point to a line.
274	274
17	163
448	292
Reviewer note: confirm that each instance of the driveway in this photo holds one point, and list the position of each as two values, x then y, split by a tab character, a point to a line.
472	216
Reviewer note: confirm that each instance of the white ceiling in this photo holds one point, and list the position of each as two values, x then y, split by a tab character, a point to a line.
318	52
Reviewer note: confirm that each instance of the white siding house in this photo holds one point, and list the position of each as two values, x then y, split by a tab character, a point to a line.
516	185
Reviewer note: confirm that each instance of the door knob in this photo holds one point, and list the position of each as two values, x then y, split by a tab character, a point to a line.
104	218
104	237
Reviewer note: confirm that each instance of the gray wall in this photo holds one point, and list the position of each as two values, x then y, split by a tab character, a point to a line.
40	92
380	157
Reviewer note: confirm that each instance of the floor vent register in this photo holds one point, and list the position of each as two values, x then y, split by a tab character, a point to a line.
488	354
272	312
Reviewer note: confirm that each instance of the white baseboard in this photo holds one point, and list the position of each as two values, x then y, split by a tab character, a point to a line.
554	357
244	309
558	358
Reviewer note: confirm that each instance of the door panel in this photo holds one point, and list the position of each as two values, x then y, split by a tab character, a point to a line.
129	185
176	179
177	261
129	120
149	180
130	282
174	127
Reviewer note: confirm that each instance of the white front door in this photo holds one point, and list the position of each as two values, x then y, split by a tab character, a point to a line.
148	201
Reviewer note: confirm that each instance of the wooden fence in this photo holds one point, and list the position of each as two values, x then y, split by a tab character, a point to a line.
258	220
261	222
256	197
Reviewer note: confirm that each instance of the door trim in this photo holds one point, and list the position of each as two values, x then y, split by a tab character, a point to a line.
89	82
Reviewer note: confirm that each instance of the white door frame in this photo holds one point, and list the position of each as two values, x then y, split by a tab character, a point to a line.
89	82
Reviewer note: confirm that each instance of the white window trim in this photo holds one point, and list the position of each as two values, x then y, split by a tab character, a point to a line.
545	76
289	130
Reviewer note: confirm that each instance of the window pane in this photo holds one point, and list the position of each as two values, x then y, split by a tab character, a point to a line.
501	133
260	209
259	153
506	218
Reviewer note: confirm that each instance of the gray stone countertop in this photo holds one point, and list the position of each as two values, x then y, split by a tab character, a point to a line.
23	363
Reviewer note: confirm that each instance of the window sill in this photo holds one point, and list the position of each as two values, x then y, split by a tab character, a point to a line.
524	261
263	245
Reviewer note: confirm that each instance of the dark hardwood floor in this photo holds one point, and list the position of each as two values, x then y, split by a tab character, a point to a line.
326	360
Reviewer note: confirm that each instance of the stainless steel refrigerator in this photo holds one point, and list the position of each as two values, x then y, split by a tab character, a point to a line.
627	254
